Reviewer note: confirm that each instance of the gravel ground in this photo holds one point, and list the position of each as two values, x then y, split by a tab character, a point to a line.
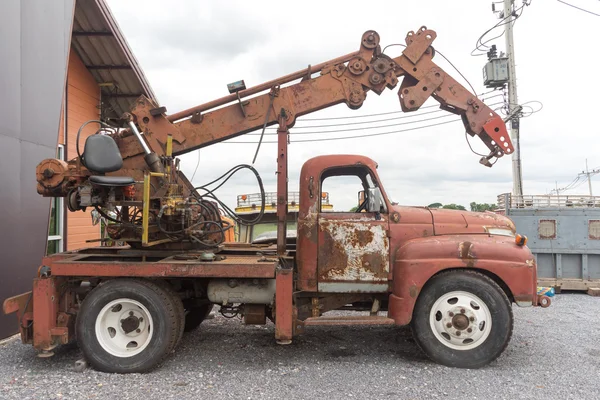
554	353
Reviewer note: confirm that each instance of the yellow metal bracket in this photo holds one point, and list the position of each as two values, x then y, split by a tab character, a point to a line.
146	197
146	207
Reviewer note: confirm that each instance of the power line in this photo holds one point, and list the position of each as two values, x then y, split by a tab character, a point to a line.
410	115
366	122
578	181
354	137
481	46
357	129
387	113
197	164
579	8
460	73
588	174
363	127
437	51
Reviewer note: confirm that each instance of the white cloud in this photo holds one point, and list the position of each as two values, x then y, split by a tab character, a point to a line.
190	50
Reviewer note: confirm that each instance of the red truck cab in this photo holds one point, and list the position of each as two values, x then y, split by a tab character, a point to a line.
418	258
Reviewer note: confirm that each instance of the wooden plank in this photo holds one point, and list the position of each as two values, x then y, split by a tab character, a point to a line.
594	291
569	284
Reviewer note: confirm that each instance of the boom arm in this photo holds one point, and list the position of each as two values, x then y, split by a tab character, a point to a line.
344	80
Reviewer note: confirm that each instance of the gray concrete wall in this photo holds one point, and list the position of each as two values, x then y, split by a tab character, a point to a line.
35	36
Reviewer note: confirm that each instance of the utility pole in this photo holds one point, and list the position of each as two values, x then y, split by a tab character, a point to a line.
512	101
589	175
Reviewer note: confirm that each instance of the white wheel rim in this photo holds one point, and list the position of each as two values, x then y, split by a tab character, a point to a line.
124	327
460	320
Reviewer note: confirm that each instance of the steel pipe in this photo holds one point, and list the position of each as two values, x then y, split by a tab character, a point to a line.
139	137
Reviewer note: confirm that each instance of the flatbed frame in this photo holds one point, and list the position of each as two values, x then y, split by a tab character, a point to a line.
55	311
231	262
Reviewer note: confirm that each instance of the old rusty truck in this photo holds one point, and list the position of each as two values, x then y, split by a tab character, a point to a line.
452	276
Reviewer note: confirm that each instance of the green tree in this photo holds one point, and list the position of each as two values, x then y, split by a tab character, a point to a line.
454	207
482	206
353	209
435	205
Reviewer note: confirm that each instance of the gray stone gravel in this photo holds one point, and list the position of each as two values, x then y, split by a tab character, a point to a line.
554	353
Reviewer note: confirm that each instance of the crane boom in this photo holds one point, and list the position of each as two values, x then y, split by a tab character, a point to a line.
346	79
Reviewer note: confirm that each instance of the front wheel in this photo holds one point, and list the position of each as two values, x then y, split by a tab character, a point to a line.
462	319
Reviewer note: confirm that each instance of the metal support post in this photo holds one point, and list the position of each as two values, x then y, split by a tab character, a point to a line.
284	308
282	183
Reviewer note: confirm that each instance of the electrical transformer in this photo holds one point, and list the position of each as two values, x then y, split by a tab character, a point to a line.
495	72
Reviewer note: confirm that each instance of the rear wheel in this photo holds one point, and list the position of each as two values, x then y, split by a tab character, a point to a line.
195	316
127	325
462	319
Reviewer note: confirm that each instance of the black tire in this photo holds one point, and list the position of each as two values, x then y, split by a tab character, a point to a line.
195	315
165	325
178	304
437	345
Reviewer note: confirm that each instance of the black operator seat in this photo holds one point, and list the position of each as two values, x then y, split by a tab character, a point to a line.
100	155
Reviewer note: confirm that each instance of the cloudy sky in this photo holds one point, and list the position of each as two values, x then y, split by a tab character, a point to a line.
190	50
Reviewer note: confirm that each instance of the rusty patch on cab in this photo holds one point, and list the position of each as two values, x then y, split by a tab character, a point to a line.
306	225
465	253
351	251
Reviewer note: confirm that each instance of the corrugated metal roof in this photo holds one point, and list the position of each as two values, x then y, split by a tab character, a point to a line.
102	47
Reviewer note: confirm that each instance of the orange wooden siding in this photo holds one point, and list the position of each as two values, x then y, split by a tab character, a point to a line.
83	99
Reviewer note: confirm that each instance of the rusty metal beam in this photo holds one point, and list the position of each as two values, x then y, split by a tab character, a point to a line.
45	298
282	184
251	269
349	320
17	303
284	305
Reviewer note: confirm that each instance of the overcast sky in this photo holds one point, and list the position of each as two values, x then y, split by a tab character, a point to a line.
190	50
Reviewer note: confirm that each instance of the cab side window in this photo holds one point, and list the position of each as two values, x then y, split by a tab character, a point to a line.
347	186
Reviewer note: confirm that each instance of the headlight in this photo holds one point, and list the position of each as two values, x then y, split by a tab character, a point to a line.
500	231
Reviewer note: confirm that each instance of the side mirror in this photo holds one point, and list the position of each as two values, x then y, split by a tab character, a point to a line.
375	200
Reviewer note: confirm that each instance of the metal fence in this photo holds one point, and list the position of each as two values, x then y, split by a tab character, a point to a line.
543	201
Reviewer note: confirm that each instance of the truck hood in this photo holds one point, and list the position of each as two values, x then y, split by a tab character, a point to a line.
447	222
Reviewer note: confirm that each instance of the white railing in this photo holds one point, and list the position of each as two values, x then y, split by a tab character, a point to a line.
508	200
248	200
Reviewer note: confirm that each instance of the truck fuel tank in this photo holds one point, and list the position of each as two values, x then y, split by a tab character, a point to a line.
248	291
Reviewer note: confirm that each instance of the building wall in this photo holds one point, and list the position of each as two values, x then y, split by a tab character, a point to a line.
83	99
35	37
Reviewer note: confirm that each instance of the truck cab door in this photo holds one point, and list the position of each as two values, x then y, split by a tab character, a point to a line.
353	253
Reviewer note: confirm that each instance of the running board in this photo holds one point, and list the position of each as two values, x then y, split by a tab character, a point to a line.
348	320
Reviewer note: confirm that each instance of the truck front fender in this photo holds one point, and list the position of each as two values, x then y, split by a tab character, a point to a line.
418	260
